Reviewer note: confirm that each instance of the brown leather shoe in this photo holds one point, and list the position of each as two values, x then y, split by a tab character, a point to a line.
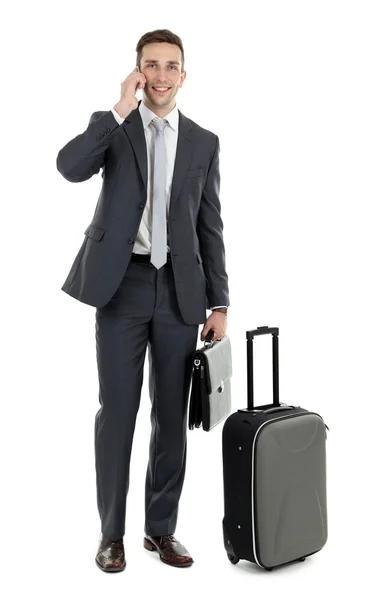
110	555
169	549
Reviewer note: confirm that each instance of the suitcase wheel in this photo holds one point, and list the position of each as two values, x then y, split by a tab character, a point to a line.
269	568
302	559
233	559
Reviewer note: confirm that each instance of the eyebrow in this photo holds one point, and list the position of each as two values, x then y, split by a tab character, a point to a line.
170	62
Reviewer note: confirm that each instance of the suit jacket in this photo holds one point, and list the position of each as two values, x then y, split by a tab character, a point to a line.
195	223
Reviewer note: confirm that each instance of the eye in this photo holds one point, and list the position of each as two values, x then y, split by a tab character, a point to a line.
153	64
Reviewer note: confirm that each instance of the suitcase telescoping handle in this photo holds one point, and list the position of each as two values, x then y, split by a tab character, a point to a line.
274	331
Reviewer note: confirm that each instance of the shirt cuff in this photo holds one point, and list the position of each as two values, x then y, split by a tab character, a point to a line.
211	307
119	119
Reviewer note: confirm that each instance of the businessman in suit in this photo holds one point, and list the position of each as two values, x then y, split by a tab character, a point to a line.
151	262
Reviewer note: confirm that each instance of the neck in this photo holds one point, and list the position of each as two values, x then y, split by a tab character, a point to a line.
160	111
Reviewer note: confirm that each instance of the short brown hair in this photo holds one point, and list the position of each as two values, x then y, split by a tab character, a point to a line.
158	35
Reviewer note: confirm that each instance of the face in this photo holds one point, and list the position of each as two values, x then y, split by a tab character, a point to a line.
161	64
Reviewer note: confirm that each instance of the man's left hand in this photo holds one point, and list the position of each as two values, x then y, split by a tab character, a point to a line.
216	321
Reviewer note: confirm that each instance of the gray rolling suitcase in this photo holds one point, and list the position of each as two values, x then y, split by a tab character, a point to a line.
274	475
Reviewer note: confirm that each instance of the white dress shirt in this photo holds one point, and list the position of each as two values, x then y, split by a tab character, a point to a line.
142	243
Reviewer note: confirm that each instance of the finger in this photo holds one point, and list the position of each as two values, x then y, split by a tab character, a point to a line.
142	82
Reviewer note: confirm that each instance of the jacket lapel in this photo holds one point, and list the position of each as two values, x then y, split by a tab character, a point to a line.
133	127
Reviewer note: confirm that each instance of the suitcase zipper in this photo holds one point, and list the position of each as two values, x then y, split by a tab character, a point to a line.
306	412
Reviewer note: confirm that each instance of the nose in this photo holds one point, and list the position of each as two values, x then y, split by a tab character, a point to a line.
162	73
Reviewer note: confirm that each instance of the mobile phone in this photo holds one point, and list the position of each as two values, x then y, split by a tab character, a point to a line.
138	67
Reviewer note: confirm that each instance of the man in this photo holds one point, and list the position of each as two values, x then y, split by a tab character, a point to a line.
151	262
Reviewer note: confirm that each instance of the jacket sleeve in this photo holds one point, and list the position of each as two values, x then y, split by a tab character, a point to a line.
210	235
84	155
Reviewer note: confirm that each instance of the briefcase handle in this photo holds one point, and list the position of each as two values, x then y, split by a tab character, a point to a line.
209	337
250	334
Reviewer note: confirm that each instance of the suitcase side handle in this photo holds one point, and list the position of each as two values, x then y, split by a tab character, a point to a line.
267	410
250	334
277	408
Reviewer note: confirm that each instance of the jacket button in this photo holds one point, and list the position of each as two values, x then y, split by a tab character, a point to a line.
130	240
141	205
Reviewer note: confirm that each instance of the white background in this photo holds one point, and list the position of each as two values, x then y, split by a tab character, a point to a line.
295	92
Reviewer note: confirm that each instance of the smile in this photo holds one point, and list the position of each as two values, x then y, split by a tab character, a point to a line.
161	90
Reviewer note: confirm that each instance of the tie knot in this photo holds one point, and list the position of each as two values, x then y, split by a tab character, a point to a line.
159	124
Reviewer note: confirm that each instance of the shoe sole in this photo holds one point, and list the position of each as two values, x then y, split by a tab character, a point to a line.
150	546
112	569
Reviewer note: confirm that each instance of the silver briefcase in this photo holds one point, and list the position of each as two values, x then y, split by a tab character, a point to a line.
210	397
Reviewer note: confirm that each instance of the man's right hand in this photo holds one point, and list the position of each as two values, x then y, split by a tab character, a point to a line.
128	101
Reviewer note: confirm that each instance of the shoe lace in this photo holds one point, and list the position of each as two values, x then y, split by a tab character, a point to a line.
170	537
115	544
117	547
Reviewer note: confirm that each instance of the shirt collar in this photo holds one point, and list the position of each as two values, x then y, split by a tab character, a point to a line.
148	115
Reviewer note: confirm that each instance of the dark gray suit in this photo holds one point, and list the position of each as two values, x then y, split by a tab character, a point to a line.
138	306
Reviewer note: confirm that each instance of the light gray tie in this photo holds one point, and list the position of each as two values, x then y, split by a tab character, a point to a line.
159	225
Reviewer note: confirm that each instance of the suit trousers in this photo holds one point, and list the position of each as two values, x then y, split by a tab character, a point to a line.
143	313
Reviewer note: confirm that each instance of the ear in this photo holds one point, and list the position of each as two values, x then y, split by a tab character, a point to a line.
182	78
